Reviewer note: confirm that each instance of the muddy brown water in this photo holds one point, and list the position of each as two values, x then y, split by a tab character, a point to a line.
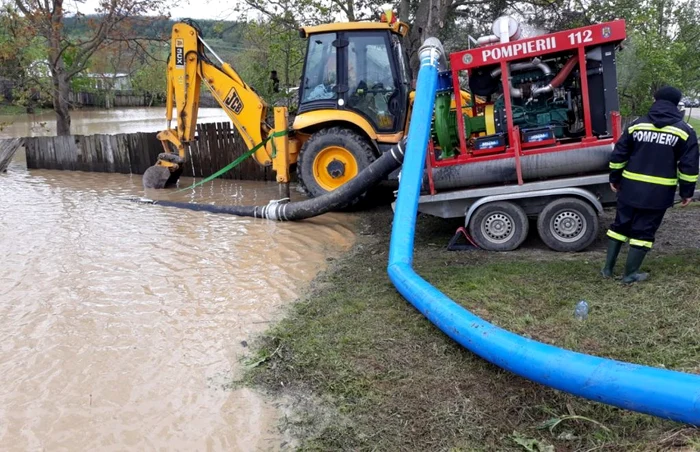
121	324
93	121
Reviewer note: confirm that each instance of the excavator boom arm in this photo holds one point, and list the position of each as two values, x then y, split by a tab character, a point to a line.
188	68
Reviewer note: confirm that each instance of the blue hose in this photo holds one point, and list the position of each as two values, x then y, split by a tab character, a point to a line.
663	393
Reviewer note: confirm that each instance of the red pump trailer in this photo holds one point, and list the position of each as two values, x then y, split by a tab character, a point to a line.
554	172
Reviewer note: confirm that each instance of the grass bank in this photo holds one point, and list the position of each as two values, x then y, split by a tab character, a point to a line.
15	110
695	123
367	372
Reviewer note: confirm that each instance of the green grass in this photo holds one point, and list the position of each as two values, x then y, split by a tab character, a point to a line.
694	122
368	372
657	323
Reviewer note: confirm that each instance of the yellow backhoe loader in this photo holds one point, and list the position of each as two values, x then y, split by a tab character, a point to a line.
353	104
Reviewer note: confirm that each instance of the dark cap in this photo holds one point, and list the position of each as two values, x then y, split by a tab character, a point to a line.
668	93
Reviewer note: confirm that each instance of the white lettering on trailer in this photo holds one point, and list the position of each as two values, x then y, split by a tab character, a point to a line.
518	48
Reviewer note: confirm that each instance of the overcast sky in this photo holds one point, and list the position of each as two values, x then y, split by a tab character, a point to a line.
192	9
204	9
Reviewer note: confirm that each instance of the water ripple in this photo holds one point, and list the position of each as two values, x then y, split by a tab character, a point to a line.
121	323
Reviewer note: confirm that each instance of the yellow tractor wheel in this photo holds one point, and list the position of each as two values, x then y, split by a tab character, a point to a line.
333	166
330	158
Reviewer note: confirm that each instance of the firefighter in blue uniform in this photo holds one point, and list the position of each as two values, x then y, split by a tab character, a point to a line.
657	153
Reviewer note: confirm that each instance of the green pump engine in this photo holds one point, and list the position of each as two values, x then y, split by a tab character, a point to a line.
546	102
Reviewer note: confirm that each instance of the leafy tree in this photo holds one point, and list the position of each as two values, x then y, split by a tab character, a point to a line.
69	55
662	47
270	45
648	62
150	80
22	58
688	33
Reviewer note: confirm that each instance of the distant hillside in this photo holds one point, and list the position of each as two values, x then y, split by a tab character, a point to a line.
154	27
225	37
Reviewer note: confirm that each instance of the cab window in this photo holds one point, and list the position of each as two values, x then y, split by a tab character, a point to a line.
371	80
321	70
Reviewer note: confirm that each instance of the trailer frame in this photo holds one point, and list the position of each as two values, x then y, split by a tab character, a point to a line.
530	200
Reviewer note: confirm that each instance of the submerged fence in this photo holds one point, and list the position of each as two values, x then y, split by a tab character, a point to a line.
109	99
7	151
215	145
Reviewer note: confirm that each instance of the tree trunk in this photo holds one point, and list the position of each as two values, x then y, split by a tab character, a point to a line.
61	90
61	82
404	10
430	20
287	64
350	7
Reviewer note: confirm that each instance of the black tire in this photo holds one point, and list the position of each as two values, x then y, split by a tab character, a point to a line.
568	224
499	226
360	149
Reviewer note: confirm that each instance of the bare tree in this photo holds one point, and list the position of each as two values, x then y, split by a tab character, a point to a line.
70	55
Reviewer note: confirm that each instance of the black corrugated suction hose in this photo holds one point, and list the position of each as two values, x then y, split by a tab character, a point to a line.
301	210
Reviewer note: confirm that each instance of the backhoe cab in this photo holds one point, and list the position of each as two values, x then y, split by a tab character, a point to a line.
353	104
353	100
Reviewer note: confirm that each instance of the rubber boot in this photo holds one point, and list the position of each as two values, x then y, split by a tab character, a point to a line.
614	247
634	263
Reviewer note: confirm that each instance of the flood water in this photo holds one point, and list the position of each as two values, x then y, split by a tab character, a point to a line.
94	121
123	325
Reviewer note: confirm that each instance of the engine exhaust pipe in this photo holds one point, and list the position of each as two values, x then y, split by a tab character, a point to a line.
486	40
534	64
559	79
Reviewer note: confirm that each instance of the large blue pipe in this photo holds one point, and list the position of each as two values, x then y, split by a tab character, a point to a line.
663	393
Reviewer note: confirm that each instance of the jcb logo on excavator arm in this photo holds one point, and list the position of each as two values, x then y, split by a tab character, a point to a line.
179	53
234	102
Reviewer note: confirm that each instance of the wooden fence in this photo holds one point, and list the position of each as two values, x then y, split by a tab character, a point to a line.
7	151
215	145
111	100
124	98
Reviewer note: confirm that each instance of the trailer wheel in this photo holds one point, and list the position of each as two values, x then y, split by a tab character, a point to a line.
568	224
499	226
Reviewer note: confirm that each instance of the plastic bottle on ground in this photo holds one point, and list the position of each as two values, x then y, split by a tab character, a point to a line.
581	311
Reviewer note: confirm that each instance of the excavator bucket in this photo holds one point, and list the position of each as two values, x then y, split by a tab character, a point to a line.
156	176
164	173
